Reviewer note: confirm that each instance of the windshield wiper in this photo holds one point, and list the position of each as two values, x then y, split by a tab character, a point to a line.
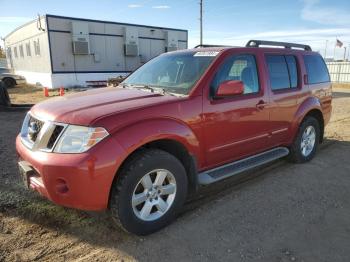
125	85
157	89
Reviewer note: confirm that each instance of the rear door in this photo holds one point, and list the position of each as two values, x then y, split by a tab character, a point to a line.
285	87
238	126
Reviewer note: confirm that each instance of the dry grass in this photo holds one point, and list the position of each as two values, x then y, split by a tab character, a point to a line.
30	94
340	85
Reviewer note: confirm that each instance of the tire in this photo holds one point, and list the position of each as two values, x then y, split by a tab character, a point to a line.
4	96
155	164
302	151
9	82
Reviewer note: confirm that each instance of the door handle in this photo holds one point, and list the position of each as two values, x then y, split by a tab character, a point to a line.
261	105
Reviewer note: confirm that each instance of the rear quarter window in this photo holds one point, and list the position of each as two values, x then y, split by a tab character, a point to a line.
316	69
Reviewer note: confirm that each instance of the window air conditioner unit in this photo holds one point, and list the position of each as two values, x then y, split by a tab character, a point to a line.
81	45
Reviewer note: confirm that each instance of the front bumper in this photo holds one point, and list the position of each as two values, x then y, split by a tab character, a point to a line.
20	81
87	176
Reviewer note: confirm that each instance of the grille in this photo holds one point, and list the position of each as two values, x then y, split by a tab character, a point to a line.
39	125
55	134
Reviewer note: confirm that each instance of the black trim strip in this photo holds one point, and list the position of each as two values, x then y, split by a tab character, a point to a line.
59	31
152	38
116	23
48	37
105	34
88	72
102	34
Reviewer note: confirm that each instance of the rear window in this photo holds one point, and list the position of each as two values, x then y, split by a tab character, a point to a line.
316	69
283	71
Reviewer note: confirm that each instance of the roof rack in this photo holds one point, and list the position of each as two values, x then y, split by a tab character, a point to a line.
257	43
200	46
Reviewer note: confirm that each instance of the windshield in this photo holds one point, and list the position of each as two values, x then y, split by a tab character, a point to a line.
4	70
174	72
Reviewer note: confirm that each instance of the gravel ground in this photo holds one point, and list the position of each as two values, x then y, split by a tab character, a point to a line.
282	212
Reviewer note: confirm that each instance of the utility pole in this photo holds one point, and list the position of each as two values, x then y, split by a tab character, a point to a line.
201	21
344	53
325	50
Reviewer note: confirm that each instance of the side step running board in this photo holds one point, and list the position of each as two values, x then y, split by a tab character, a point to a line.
234	168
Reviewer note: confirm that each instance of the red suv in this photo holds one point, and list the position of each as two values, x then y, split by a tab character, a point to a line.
184	119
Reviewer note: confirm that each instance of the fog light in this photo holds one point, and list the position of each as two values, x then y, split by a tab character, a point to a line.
61	186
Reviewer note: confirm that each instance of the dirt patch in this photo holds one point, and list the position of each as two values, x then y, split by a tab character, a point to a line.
341	85
30	94
282	212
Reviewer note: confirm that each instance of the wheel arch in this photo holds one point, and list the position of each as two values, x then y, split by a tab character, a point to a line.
310	107
176	139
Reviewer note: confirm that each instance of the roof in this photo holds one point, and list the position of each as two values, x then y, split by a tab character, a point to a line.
92	20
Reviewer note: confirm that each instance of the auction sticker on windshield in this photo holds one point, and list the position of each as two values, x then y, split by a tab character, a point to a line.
206	53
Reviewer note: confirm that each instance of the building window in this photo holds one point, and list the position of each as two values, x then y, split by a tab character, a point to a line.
15	51
21	53
29	53
9	54
37	47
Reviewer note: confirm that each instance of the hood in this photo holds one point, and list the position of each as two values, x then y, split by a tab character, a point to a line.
83	108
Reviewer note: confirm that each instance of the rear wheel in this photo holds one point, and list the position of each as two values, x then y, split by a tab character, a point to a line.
9	82
150	192
306	142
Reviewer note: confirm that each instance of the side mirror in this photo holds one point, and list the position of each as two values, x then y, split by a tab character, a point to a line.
230	88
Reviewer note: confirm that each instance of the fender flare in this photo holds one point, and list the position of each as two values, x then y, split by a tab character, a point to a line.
136	135
311	103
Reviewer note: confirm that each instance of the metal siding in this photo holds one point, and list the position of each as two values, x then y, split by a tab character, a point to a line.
107	40
27	34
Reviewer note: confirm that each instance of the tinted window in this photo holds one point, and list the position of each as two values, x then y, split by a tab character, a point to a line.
283	71
238	67
316	69
278	71
293	71
174	72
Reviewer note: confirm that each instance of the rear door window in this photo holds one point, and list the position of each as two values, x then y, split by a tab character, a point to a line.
316	69
293	71
283	71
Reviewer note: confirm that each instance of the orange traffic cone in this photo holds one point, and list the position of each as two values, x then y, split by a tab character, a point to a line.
61	91
46	92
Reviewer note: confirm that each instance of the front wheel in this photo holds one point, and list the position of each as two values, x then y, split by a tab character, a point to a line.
151	189
306	142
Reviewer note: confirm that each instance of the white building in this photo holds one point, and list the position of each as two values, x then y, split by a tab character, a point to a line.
56	51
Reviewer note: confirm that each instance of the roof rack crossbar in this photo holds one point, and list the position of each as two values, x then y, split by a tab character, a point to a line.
257	43
203	46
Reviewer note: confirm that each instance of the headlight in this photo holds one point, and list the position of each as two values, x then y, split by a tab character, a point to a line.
78	139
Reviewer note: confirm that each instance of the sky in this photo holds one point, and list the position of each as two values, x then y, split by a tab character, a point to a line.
225	22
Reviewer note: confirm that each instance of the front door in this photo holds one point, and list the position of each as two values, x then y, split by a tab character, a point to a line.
236	127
